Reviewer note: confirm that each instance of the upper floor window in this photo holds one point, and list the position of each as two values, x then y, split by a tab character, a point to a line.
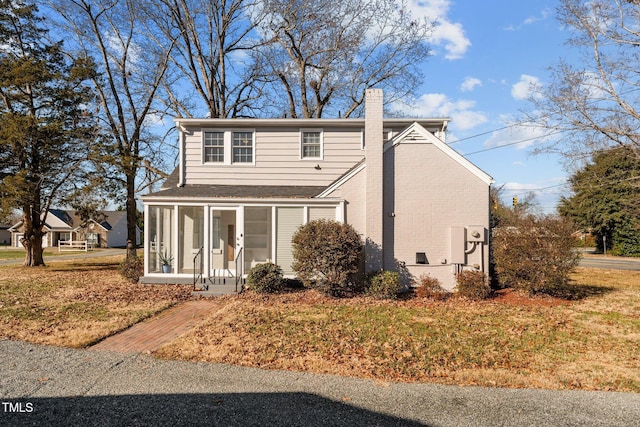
311	144
214	147
242	147
226	147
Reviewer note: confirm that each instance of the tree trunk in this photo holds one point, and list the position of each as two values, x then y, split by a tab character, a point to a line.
32	240
131	217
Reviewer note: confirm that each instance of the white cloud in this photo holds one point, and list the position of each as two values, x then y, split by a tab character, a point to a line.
520	136
525	88
470	83
544	14
439	105
447	34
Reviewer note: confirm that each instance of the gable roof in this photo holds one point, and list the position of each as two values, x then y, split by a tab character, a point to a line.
61	219
416	134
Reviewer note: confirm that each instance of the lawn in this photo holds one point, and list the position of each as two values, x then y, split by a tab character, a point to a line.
590	339
19	253
77	303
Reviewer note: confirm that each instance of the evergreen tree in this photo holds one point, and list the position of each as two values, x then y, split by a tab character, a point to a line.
45	128
606	200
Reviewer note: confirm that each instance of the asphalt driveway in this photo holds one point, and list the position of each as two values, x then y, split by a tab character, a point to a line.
43	385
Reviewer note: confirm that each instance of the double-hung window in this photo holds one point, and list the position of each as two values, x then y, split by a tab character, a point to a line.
226	147
214	147
242	147
311	144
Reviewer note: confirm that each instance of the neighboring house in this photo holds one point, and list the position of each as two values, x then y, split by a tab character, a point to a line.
5	235
243	186
65	225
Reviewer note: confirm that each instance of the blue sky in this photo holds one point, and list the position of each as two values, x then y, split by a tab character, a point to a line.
485	55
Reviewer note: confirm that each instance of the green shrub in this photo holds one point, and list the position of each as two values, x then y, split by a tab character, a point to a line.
327	255
383	285
132	268
534	255
266	278
430	287
473	285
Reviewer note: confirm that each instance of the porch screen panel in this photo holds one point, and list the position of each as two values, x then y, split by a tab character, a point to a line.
257	235
287	222
191	236
160	230
322	213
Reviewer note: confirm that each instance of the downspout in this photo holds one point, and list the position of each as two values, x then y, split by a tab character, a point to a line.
181	142
443	131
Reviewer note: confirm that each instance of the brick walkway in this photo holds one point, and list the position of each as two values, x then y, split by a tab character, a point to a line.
152	333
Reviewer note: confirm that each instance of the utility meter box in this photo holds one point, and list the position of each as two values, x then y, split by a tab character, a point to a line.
458	240
476	233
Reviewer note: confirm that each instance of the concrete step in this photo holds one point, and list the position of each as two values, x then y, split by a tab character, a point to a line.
216	291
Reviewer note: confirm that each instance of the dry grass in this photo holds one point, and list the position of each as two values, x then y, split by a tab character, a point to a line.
590	339
76	303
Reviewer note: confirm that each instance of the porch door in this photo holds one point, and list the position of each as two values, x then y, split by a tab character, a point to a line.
224	241
231	243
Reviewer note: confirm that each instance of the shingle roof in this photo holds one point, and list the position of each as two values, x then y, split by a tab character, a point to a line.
241	191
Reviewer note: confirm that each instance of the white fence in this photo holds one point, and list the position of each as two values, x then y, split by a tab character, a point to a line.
70	245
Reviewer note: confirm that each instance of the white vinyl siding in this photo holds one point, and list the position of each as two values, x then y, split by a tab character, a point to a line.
288	220
276	158
311	144
322	213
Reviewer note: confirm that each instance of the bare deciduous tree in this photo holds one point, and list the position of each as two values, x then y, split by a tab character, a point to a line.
594	101
132	60
326	53
212	57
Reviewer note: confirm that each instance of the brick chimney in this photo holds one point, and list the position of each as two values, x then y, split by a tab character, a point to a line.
373	128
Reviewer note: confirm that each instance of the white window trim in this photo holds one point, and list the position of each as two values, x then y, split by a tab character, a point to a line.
253	147
302	132
228	147
224	150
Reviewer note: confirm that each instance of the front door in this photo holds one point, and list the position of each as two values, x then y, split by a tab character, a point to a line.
223	241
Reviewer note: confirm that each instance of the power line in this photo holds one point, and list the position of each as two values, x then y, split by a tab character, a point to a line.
512	143
482	134
533	189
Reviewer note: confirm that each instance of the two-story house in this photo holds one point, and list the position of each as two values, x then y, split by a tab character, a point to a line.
243	186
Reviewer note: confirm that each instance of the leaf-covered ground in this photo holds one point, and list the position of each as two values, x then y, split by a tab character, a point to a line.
588	340
75	304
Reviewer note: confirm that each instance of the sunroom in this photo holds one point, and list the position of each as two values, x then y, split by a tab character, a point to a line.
212	243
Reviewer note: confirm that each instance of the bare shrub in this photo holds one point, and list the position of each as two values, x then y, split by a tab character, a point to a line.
132	268
430	287
534	255
383	285
266	278
473	285
327	255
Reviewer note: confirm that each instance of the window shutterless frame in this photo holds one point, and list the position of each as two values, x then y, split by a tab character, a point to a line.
311	144
228	147
213	147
